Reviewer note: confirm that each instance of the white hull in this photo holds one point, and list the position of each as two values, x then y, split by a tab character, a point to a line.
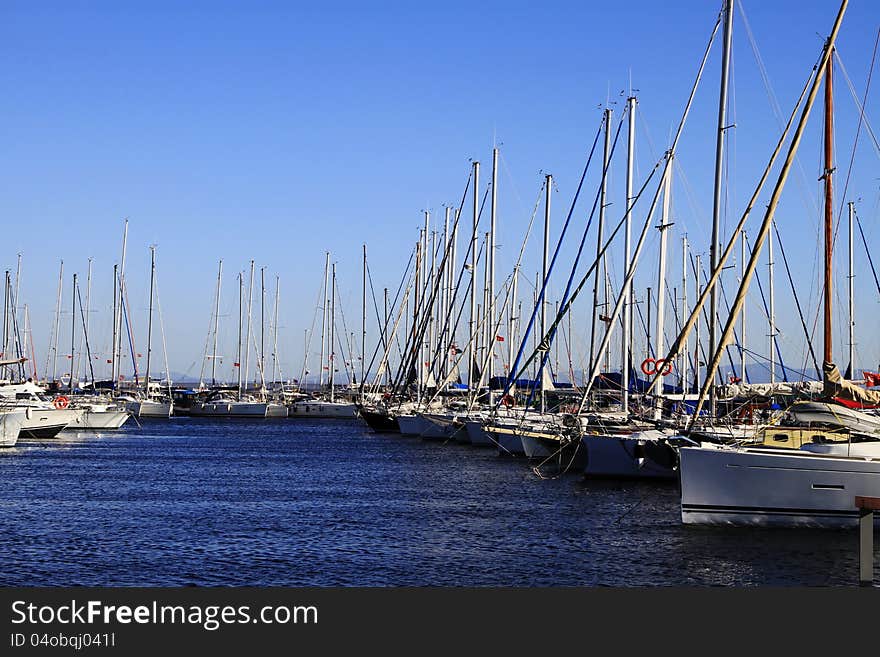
323	409
47	423
443	427
276	410
508	443
534	448
638	455
107	419
478	435
150	408
790	488
412	425
228	409
10	426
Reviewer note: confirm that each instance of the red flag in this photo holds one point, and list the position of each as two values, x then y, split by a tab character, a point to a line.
109	361
236	364
871	378
500	338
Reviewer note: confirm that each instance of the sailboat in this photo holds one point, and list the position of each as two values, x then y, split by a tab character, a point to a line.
329	407
802	476
152	401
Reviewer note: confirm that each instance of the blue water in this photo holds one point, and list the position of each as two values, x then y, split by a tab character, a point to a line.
295	502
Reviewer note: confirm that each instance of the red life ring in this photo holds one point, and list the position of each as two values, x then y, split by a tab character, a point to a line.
659	363
61	402
646	366
507	400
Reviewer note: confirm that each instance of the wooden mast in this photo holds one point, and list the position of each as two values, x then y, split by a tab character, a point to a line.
829	201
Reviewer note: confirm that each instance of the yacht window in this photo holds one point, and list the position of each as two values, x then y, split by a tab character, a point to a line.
780	437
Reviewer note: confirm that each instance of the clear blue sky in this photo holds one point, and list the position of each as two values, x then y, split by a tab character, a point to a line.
276	131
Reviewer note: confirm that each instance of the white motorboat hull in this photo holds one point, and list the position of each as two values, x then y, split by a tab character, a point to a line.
790	488
47	423
10	427
104	419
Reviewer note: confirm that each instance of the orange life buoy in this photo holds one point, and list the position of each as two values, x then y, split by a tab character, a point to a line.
61	402
646	366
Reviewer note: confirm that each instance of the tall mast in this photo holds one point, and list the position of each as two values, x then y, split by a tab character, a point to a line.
626	343
490	302
473	318
247	341
263	326
719	166
121	284
445	298
423	305
240	303
386	338
275	368
324	310
548	184
150	320
606	151
660	347
852	317
72	331
698	290
88	309
684	305
742	337
332	330
216	325
829	200
772	332
57	317
15	296
364	323
6	301
113	339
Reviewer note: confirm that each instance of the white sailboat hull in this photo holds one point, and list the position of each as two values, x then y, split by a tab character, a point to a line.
789	488
477	435
229	409
639	455
442	427
150	408
323	409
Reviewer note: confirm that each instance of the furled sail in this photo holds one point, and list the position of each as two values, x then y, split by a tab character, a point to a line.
835	386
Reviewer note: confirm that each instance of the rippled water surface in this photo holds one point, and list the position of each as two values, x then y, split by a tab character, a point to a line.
306	502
